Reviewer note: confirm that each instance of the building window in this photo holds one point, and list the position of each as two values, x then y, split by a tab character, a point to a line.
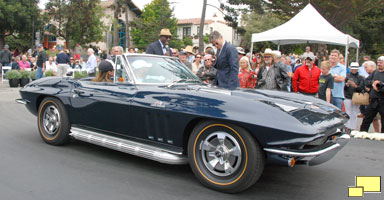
198	30
122	40
186	31
50	29
211	30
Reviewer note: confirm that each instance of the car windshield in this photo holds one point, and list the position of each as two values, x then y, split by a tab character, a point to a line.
163	70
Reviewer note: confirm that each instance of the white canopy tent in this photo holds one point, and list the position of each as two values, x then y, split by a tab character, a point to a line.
308	26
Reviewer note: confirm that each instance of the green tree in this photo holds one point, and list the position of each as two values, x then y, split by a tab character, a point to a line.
16	19
369	29
187	41
78	22
155	16
337	13
256	23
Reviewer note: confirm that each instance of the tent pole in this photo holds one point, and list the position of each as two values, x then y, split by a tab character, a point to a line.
278	46
251	58
346	55
346	52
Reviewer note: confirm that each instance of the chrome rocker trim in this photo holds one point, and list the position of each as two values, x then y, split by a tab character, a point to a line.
130	147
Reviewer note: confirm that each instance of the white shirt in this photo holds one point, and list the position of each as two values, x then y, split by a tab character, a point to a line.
52	66
163	47
91	64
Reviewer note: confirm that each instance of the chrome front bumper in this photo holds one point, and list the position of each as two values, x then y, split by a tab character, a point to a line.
315	156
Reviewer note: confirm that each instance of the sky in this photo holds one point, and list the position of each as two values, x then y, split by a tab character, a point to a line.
183	9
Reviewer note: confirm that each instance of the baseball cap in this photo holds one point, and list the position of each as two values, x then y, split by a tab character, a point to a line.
105	66
311	57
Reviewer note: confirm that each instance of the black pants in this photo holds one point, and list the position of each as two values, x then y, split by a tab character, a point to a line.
375	106
362	109
309	94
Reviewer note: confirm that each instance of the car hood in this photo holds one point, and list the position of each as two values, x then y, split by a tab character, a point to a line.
282	110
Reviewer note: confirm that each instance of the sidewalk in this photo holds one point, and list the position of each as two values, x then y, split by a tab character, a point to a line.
8	94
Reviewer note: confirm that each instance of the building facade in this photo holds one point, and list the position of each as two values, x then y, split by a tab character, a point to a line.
191	28
49	40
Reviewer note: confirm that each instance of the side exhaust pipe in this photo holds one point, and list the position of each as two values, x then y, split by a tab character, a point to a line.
130	147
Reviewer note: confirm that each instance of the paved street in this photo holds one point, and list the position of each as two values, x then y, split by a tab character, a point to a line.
31	169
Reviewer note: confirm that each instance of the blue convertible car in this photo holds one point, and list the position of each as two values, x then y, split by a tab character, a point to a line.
158	109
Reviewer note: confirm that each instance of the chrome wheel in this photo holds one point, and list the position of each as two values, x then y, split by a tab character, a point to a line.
221	153
51	120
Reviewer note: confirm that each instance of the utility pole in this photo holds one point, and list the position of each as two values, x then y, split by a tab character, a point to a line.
201	31
127	35
33	33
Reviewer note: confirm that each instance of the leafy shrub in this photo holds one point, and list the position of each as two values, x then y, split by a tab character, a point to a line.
12	74
25	74
80	74
32	75
49	73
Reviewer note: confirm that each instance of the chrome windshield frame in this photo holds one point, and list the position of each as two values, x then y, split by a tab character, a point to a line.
129	67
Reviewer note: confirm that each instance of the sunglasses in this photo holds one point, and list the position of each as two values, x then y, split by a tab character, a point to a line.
267	56
167	37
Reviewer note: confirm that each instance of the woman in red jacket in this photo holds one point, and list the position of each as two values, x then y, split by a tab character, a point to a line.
247	77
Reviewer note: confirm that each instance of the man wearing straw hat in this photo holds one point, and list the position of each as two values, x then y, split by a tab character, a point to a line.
272	76
161	47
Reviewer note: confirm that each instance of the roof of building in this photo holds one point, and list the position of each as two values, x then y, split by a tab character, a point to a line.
132	6
196	21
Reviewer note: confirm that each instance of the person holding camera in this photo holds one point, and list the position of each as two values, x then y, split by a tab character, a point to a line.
353	83
375	84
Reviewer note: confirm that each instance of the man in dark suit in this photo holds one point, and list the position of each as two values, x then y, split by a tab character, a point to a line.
161	47
227	63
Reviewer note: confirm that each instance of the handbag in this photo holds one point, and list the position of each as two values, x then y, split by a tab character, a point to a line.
360	98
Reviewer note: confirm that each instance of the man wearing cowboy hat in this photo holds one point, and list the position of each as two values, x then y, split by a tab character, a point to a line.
272	76
161	47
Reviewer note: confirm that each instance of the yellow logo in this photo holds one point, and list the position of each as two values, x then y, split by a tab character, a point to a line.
365	184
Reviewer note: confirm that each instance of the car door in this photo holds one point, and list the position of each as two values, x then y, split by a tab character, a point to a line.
104	105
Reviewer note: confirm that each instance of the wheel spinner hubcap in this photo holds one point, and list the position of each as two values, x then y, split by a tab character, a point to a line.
221	153
51	120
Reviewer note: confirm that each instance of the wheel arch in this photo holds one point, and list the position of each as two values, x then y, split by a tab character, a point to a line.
191	125
40	99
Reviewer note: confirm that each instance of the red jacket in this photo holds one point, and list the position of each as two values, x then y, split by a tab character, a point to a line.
246	79
308	79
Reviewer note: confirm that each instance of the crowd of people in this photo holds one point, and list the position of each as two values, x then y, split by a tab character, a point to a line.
326	78
231	67
60	61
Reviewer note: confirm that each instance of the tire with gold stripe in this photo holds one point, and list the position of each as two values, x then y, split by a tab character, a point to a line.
225	157
53	123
